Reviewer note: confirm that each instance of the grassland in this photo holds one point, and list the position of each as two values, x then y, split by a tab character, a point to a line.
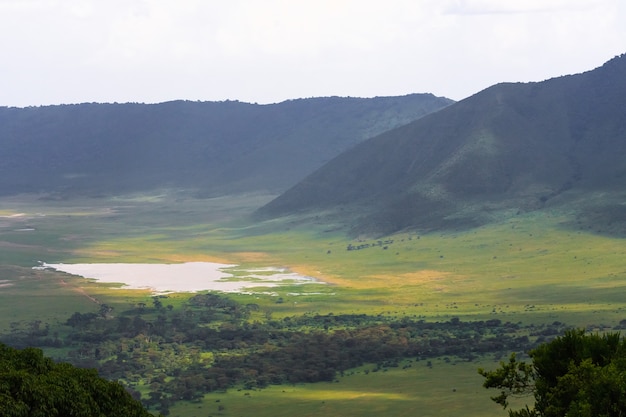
448	388
527	268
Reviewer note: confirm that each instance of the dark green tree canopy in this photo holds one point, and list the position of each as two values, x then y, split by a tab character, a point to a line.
575	375
32	385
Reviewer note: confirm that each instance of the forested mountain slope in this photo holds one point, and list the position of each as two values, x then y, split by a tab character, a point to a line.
513	146
212	147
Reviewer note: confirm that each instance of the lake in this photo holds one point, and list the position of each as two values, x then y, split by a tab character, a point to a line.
182	277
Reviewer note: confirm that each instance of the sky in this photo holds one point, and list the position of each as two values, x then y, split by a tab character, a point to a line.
268	51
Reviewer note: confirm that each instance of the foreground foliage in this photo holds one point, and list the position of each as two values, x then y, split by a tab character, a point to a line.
32	385
575	375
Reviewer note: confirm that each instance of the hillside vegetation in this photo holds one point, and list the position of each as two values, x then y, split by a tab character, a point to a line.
210	147
512	147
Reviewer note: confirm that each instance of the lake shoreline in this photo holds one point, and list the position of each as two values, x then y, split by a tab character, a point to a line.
180	277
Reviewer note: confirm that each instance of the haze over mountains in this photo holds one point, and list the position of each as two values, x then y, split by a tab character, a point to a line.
213	148
513	147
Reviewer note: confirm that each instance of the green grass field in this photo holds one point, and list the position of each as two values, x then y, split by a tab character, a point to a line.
448	388
528	268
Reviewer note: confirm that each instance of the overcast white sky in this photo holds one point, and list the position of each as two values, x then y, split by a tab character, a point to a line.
74	51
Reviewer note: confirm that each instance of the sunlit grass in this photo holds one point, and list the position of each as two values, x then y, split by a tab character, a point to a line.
526	268
448	388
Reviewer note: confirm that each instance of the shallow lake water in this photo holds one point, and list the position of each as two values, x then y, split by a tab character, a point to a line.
182	277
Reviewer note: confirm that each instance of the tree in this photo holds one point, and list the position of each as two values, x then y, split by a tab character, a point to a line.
79	320
105	310
32	385
575	375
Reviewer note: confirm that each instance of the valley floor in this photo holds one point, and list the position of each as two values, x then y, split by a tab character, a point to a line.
528	270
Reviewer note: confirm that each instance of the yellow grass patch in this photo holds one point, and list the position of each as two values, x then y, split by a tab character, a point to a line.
314	271
345	395
251	256
196	257
412	278
10	214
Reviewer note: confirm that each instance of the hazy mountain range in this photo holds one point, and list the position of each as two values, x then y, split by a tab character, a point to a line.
512	147
211	147
378	165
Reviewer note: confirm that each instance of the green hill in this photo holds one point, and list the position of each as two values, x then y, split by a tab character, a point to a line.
512	147
211	147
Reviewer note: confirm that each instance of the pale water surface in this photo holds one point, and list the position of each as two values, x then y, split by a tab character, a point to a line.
182	277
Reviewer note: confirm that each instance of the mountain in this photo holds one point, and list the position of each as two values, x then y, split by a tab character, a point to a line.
213	147
512	147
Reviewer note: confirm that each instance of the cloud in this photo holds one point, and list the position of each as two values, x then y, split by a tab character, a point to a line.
469	7
153	50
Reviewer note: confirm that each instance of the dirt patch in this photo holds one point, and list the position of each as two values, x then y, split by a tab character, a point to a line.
79	291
